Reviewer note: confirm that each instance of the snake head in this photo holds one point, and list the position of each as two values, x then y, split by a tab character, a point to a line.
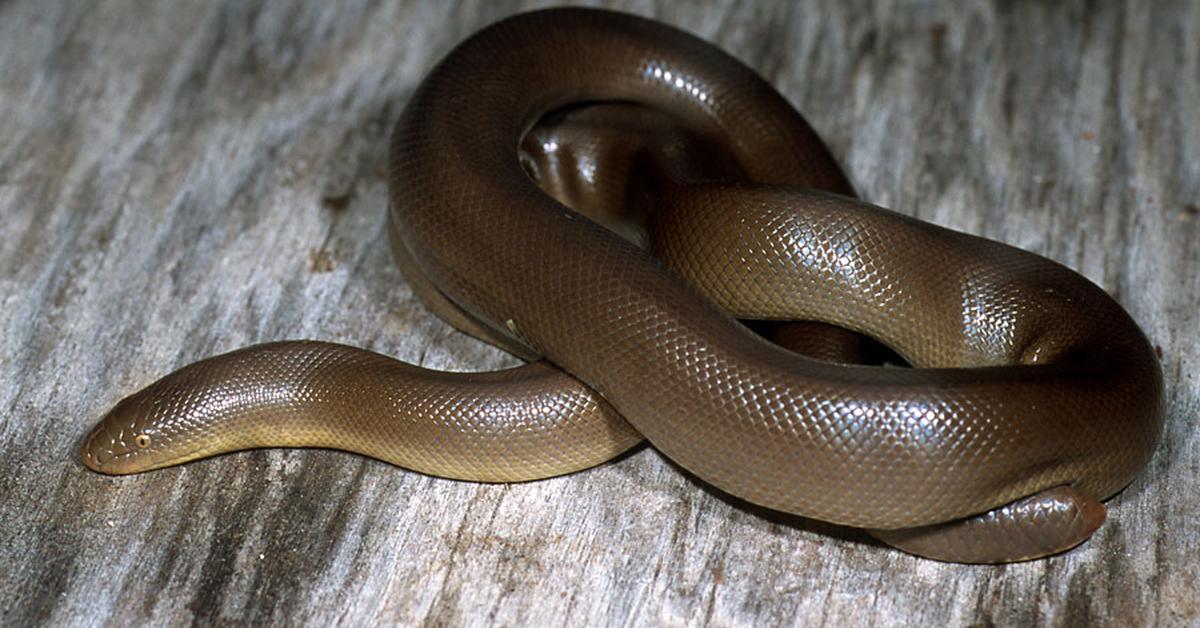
153	428
124	441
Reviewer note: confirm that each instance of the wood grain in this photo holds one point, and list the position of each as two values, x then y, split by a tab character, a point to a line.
179	179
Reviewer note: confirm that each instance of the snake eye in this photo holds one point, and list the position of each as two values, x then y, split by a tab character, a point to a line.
142	441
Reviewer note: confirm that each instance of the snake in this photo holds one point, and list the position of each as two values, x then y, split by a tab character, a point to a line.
1029	395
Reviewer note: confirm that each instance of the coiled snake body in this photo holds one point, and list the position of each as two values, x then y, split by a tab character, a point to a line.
1036	395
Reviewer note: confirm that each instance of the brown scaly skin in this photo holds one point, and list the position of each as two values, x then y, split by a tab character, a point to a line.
1031	377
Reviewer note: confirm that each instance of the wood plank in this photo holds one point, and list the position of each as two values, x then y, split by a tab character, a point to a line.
180	179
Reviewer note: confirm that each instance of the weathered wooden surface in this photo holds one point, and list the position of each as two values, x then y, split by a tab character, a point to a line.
182	178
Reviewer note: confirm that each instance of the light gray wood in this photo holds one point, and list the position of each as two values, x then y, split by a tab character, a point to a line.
179	179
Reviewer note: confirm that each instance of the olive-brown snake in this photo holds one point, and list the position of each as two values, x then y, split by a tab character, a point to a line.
1036	395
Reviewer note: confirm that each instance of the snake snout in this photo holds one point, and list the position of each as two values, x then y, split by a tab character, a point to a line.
97	449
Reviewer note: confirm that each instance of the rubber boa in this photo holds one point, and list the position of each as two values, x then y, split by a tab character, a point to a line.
1034	395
